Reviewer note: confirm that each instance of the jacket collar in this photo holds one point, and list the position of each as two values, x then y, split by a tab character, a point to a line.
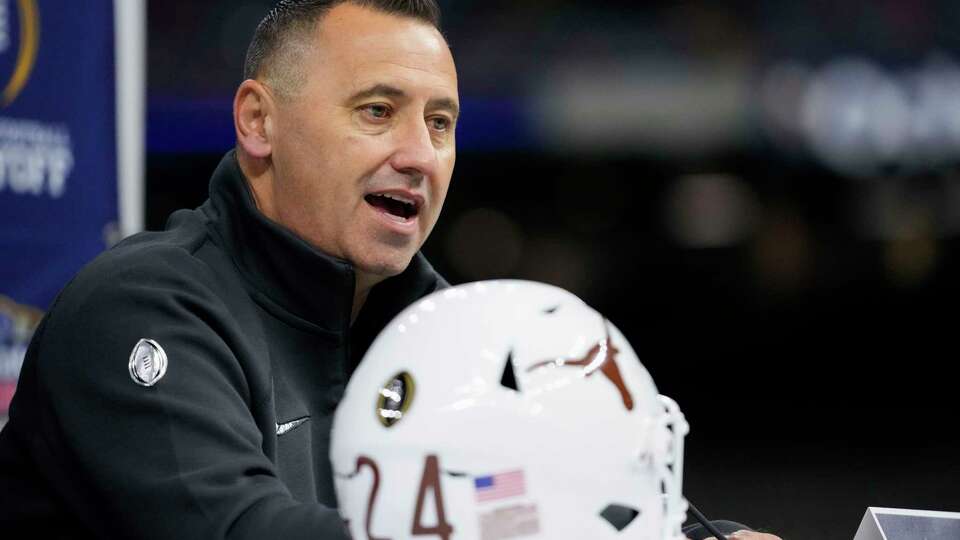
287	272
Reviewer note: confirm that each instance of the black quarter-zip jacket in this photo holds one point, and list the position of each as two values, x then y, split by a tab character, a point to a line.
256	327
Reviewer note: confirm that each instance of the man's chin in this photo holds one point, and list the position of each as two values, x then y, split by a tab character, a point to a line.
376	270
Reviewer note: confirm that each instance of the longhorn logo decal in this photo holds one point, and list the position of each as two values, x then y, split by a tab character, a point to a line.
601	357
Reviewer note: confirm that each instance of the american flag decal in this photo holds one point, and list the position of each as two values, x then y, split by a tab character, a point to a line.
499	486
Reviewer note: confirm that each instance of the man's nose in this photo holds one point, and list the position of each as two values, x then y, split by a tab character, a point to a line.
415	153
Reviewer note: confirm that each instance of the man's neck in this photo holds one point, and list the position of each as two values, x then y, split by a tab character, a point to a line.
365	282
259	179
359	298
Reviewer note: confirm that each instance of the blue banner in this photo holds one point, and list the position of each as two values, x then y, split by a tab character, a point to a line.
58	158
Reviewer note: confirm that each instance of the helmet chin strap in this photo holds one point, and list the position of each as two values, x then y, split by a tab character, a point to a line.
707	524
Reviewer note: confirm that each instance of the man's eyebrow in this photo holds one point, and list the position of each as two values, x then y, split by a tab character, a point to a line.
379	90
385	90
445	103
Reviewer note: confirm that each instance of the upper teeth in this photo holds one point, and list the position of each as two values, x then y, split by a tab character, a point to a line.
397	198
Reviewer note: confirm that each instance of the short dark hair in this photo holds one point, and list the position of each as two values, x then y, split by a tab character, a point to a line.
290	21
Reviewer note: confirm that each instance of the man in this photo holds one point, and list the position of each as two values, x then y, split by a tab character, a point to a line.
183	384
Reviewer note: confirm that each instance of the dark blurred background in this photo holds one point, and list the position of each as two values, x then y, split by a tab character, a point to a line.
763	196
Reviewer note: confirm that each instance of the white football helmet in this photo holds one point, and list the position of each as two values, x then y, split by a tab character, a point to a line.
506	409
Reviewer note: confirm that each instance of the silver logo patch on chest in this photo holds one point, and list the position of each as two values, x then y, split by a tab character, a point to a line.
148	362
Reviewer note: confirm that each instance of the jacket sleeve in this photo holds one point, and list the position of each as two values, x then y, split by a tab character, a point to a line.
181	459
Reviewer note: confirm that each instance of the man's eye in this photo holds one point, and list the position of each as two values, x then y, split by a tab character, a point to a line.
376	111
440	123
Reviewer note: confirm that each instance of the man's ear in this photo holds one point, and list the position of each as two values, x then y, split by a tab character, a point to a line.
252	109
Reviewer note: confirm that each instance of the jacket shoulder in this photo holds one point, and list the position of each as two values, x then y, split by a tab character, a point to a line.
144	262
149	287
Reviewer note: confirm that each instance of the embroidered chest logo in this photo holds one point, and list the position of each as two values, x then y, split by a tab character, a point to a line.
287	427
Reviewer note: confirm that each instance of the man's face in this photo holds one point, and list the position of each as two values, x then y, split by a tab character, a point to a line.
363	153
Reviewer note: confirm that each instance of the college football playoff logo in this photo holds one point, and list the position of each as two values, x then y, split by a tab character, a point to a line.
19	42
394	398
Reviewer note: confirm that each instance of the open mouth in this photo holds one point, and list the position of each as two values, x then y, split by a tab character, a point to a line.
394	205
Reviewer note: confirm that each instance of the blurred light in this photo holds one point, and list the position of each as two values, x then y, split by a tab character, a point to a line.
710	210
484	244
781	93
653	105
857	118
935	127
862	122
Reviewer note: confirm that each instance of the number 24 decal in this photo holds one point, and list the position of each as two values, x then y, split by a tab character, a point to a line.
430	481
